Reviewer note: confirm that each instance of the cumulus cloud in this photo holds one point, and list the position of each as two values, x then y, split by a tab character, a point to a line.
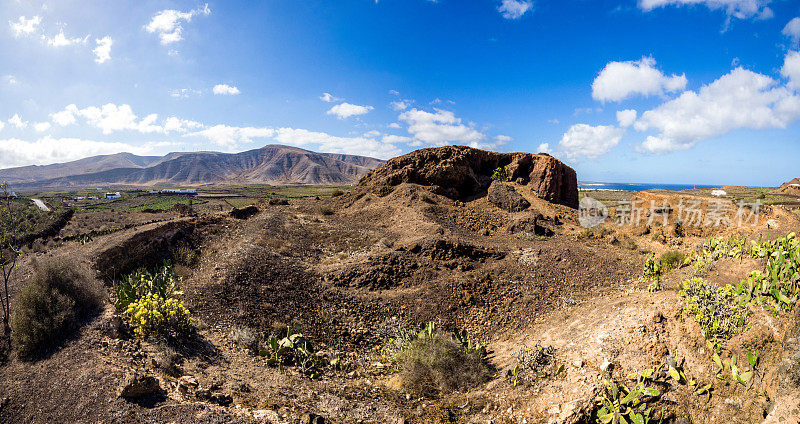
25	26
226	90
741	9
792	30
346	110
175	124
621	80
103	50
61	40
108	118
17	121
590	142
66	116
229	136
330	98
42	126
439	128
168	23
324	142
514	9
544	148
399	105
791	69
739	99
16	152
626	117
391	138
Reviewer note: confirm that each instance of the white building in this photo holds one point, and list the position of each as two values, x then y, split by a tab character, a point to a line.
115	195
719	193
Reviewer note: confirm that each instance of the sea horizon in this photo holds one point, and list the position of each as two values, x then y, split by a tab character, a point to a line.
596	185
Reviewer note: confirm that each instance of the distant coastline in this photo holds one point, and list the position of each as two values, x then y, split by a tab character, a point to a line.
591	185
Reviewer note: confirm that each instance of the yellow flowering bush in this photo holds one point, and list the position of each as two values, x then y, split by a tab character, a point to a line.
153	315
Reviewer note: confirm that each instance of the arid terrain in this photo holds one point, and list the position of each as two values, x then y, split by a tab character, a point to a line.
549	314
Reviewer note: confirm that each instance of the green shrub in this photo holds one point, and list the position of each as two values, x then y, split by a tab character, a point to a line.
52	304
718	310
671	260
500	174
185	255
438	363
141	283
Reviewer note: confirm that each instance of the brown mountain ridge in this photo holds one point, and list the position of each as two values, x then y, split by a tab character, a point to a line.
272	164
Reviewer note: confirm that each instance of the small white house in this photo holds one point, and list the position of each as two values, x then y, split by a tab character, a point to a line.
115	195
719	193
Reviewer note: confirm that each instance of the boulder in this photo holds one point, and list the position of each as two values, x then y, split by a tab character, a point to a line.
461	172
139	385
505	197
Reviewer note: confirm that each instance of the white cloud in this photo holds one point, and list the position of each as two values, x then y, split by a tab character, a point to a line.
792	30
168	23
185	93
66	116
108	118
180	125
394	125
553	121
739	99
741	9
503	138
439	128
2	125
399	105
61	40
226	90
17	121
626	117
391	138
103	49
544	148
620	80
514	9
346	110
24	26
16	152
372	134
229	137
328	97
324	142
42	126
11	79
583	140
791	69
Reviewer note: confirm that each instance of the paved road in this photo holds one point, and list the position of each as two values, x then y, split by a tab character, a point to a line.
41	205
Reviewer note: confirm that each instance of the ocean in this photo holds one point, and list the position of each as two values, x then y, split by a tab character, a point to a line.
637	186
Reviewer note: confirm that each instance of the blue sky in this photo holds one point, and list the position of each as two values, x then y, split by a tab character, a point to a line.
672	91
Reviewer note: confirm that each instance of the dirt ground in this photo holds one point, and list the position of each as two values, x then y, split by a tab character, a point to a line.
349	269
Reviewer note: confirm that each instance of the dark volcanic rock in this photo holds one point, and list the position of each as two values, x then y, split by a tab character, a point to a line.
505	197
461	172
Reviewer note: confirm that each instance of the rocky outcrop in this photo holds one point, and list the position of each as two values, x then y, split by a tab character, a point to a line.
138	384
461	172
791	188
505	197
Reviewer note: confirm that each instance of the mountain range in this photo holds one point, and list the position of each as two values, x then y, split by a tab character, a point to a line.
272	164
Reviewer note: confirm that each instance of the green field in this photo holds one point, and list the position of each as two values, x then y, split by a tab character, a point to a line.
208	199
